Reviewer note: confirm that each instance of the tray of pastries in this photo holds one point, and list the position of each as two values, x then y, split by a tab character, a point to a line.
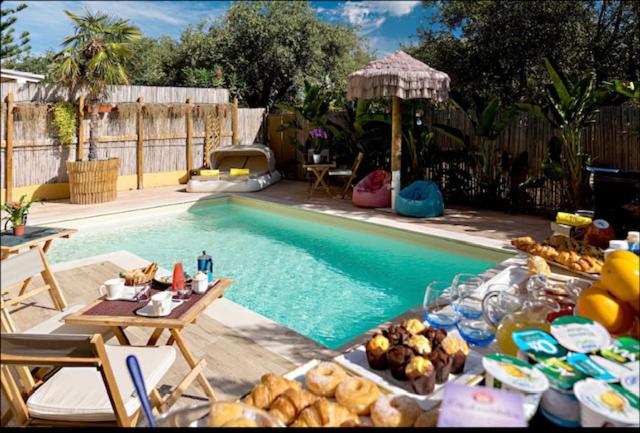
324	394
415	360
564	252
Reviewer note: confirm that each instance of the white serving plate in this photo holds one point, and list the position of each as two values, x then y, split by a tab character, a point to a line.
147	310
129	294
356	362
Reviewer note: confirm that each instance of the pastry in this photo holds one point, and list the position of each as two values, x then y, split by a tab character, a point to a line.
442	363
223	412
523	243
397	357
557	241
269	388
396	335
422	374
547	253
396	411
241	422
567	258
587	264
420	344
357	394
324	378
414	326
324	413
377	349
288	406
427	419
435	336
458	349
538	265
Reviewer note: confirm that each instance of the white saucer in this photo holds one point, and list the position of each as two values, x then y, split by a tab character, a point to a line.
129	294
147	310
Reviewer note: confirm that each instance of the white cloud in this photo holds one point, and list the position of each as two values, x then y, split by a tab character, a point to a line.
370	15
394	8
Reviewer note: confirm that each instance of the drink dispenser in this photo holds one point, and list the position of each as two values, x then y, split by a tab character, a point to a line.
205	265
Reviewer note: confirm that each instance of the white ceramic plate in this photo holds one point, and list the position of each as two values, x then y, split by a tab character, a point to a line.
147	310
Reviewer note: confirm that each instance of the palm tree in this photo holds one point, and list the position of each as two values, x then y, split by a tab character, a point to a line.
94	58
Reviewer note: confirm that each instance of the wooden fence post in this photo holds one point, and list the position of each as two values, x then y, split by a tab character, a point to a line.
189	137
140	148
80	146
234	123
9	150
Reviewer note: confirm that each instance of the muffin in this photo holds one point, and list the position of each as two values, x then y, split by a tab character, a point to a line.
421	374
420	344
398	357
435	336
397	335
377	349
458	350
442	363
414	326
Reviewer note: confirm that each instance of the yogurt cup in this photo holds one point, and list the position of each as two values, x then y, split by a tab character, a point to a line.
561	407
512	374
605	405
536	345
579	334
631	383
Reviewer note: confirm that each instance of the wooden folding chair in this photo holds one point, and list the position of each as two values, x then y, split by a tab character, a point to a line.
92	387
350	174
17	272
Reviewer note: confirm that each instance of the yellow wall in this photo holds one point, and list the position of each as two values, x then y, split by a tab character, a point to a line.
53	191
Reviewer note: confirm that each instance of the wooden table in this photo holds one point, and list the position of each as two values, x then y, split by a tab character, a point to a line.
33	237
174	325
320	171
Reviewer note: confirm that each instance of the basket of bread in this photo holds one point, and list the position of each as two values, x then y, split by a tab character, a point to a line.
136	277
577	256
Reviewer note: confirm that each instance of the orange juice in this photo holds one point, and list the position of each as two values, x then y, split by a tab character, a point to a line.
533	315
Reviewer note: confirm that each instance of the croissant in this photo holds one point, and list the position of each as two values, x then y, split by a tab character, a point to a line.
270	387
523	243
289	405
567	258
323	413
587	264
548	253
537	265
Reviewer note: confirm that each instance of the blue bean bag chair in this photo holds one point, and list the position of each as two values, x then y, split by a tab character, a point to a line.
420	199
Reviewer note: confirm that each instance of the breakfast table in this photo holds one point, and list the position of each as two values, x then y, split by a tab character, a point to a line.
319	171
121	314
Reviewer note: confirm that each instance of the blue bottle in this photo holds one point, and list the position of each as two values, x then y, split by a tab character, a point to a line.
205	264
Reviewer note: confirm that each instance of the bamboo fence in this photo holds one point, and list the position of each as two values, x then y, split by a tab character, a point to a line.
147	136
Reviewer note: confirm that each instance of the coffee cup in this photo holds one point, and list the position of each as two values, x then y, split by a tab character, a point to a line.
113	288
161	303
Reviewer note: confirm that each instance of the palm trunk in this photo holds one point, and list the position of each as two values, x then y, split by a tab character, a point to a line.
93	131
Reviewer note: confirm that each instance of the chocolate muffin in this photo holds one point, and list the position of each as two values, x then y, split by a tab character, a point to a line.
420	345
435	336
398	357
421	374
397	335
377	349
458	349
442	363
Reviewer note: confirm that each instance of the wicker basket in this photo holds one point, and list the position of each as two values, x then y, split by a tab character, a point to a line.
93	182
137	277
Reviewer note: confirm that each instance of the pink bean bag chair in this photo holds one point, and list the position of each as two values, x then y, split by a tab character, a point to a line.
373	191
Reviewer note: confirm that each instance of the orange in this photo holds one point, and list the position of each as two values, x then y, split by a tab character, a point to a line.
620	275
599	305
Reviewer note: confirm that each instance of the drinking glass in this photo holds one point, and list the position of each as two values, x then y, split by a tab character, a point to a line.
476	332
465	286
437	308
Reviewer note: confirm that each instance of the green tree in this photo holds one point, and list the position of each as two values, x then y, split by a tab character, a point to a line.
35	64
152	60
497	47
12	47
94	58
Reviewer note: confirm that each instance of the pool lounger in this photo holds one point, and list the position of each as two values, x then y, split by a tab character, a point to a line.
257	158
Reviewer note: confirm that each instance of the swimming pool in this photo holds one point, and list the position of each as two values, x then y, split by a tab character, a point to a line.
325	278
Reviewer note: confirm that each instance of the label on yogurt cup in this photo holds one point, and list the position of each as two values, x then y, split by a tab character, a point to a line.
515	374
538	344
623	350
579	334
612	402
631	382
560	373
589	367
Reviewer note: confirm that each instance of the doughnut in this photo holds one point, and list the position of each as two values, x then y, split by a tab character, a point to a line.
324	378
357	394
396	411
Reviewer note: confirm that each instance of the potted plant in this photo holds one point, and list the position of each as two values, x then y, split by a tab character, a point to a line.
316	135
17	213
94	57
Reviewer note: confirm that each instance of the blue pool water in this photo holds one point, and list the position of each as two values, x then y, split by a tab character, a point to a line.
328	283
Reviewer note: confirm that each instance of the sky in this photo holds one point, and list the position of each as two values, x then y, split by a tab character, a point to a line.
387	24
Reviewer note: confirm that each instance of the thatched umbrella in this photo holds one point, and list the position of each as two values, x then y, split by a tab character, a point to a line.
402	77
